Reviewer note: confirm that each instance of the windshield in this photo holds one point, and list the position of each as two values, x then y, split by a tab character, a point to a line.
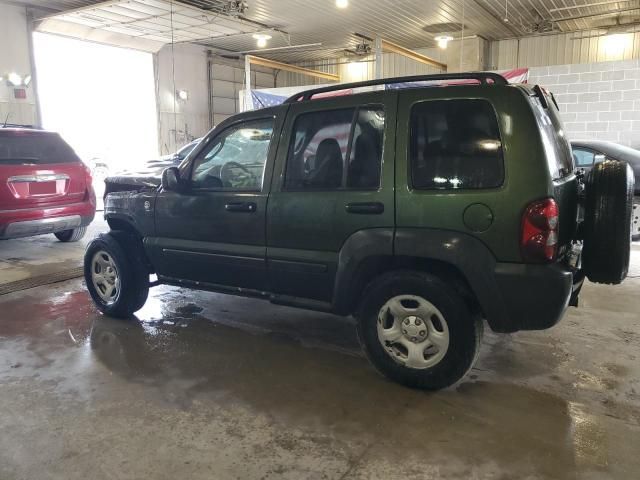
39	148
188	148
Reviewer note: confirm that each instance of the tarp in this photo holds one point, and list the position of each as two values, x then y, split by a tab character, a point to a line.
267	98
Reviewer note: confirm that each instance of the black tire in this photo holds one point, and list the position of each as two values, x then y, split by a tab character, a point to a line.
71	235
607	222
635	219
465	329
133	274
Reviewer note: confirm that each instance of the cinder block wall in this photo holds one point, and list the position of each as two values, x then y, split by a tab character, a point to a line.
598	101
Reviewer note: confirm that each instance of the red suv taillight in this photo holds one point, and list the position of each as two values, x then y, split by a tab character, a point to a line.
88	178
539	240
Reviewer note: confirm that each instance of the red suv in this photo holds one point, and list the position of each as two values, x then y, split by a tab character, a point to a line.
44	186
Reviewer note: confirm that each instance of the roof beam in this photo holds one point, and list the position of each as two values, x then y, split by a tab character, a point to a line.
265	62
388	46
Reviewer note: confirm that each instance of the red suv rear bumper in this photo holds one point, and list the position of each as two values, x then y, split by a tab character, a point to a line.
38	221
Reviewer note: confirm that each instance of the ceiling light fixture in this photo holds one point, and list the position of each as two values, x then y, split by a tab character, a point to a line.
261	39
506	11
183	95
14	79
443	41
342	3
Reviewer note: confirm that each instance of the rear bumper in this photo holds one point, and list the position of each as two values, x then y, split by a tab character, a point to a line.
534	297
38	221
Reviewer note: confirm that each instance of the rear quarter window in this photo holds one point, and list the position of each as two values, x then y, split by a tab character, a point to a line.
455	144
556	145
39	148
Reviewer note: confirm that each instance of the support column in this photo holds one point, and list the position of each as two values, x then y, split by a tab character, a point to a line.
378	57
247	83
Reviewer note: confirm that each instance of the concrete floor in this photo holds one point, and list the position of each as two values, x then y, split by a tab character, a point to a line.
203	386
22	258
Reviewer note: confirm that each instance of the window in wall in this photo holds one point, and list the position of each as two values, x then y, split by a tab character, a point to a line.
235	159
455	144
336	149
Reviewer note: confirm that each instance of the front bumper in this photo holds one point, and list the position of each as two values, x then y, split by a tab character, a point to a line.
534	297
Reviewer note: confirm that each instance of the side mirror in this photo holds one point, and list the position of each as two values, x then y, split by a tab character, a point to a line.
171	179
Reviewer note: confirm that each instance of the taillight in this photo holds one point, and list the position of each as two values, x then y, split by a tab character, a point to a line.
88	178
539	240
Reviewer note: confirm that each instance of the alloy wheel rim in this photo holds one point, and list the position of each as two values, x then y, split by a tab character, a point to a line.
105	277
413	332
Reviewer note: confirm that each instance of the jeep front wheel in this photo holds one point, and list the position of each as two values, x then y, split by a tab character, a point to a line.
417	330
118	283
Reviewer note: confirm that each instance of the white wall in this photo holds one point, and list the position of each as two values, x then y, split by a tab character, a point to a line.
563	49
14	57
598	101
181	121
227	80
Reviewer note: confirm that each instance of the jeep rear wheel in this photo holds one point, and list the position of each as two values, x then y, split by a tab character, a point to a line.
607	222
118	282
417	330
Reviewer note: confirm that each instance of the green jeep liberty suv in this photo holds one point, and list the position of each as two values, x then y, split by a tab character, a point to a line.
421	211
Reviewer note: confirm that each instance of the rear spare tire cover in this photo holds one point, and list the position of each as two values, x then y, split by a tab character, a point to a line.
607	222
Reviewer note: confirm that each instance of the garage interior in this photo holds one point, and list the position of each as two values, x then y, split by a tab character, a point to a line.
205	385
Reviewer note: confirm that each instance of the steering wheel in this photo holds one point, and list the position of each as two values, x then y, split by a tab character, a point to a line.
225	170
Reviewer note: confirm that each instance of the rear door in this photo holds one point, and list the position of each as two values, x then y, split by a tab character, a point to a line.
38	170
333	178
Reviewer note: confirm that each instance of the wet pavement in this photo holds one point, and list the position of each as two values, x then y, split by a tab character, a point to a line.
206	386
23	258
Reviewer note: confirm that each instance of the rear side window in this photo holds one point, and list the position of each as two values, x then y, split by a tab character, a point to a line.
556	145
38	148
336	149
455	144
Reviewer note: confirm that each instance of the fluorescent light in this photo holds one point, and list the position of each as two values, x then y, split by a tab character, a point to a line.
443	41
491	145
615	45
342	3
261	39
14	79
357	70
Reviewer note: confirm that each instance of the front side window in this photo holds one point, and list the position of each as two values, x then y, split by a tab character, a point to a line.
235	159
336	149
455	144
583	158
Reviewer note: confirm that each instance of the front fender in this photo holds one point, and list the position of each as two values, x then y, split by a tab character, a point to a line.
135	209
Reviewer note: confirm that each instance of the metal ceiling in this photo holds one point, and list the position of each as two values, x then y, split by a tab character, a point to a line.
158	20
411	23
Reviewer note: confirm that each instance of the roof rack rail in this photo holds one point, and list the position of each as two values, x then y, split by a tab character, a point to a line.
485	78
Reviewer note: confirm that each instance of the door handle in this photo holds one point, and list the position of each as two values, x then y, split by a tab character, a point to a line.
365	208
247	207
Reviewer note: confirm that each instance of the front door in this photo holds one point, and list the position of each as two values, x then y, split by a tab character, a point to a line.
330	183
214	231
